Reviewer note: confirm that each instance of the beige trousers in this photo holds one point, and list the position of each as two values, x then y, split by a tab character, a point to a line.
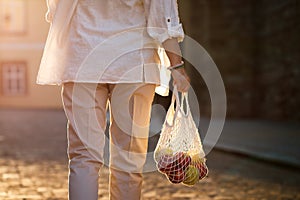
85	105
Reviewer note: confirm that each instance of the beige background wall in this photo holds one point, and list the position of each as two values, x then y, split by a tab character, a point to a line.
28	47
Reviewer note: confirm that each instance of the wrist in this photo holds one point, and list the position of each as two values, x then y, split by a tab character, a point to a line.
177	66
176	61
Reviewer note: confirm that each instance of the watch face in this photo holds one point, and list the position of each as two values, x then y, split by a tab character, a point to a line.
12	16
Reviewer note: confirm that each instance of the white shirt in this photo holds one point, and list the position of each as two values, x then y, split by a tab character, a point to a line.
115	41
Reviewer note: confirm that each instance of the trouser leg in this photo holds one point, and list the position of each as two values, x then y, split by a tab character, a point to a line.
85	108
130	119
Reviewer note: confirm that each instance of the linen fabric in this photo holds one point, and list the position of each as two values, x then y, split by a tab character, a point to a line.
116	41
85	106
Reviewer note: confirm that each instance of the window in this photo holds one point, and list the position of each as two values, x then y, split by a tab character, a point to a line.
12	16
13	78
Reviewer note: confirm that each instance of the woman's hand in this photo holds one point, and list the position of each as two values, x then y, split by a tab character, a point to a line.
181	79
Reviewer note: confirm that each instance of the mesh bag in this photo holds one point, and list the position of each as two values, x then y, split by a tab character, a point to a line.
179	153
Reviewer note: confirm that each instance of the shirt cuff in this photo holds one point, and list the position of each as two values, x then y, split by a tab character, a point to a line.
162	34
176	32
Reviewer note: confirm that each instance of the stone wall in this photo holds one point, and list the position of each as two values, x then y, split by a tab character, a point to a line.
279	59
254	44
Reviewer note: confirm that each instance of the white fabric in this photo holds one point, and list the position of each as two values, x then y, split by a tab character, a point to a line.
51	4
179	132
116	41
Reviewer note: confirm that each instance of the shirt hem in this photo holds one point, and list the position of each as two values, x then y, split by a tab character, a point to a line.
88	81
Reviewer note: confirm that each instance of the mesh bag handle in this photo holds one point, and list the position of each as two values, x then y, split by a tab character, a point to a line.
172	113
185	97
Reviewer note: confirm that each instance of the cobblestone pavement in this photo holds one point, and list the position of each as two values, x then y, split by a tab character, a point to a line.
33	165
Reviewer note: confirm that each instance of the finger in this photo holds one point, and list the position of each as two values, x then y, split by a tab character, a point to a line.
186	89
183	89
174	83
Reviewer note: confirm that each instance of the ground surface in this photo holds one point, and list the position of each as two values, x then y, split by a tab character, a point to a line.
33	165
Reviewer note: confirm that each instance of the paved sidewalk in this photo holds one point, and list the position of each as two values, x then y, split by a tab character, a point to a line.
277	142
33	163
271	141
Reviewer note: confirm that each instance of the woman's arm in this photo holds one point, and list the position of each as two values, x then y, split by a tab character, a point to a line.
180	77
163	24
173	51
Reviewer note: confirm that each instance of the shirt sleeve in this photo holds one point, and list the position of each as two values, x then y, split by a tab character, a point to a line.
163	20
51	5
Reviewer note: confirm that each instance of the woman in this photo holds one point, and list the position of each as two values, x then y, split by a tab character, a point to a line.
107	52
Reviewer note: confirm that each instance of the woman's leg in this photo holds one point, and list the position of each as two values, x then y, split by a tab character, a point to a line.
85	107
130	119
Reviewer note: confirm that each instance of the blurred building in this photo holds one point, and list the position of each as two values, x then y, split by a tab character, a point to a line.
256	46
23	32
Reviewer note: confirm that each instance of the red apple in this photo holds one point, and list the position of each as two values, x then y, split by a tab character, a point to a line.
183	160
165	164
176	176
203	170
